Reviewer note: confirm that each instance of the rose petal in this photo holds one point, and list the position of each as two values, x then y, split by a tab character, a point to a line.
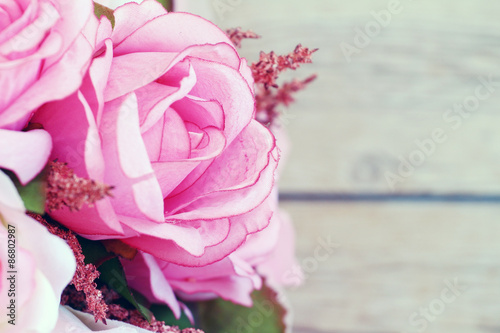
240	227
236	182
8	195
131	16
281	260
171	174
24	153
182	31
44	276
259	246
74	133
133	71
22	12
231	288
201	112
96	80
74	16
144	274
32	35
127	162
246	72
190	237
51	85
59	271
222	83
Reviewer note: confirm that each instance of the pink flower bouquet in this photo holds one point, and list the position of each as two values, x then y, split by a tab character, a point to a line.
138	181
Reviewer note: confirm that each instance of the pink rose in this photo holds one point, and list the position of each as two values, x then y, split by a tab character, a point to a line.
166	116
44	264
43	55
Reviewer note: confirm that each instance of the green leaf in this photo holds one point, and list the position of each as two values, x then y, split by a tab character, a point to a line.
112	273
93	251
34	193
167	4
163	313
265	316
100	10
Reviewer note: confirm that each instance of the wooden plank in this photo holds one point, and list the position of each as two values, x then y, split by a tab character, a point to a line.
394	259
350	128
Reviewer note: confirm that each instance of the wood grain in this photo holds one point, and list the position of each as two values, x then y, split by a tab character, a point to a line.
393	259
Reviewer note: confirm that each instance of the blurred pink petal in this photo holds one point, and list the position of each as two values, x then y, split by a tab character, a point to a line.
41	276
24	153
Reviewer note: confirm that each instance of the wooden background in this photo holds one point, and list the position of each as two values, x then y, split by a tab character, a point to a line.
350	129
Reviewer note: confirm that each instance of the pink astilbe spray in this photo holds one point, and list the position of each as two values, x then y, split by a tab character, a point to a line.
85	275
268	94
64	188
270	65
236	35
268	100
133	317
136	319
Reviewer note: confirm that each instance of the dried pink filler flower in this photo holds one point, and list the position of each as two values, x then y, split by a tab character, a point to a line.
269	99
270	65
268	94
237	35
156	326
284	93
133	317
74	298
85	275
117	312
64	188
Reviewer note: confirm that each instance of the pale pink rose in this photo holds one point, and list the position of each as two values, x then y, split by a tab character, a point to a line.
44	265
166	116
43	54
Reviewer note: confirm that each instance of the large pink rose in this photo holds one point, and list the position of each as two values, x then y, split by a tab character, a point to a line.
44	265
43	54
166	116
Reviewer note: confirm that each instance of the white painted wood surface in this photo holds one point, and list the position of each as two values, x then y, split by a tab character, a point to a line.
391	261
